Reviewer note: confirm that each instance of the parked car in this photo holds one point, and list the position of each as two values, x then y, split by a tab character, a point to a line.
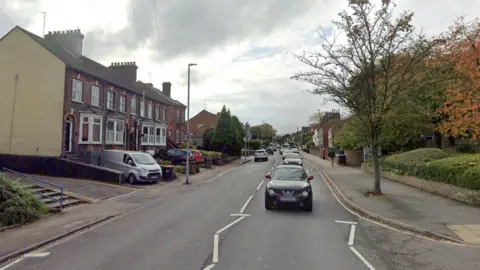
177	156
136	166
197	156
289	184
260	154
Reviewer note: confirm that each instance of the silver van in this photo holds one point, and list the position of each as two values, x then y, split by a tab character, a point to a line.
136	166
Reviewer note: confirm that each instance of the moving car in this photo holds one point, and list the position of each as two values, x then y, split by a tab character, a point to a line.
286	151
136	166
295	150
290	185
293	159
260	154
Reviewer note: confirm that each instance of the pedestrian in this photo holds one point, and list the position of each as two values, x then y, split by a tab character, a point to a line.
331	155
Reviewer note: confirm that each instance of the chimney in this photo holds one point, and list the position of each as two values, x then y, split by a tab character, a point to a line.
71	40
167	88
127	70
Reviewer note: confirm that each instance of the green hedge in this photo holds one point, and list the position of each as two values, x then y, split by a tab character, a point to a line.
409	162
17	204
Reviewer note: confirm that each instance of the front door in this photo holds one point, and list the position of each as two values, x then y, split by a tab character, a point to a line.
68	136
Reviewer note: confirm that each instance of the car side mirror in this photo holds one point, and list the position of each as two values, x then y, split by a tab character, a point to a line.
131	163
283	157
268	176
310	178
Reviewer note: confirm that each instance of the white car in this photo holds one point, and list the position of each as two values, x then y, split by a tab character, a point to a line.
260	154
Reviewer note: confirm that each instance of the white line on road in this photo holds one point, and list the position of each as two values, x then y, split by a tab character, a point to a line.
346	222
260	185
352	235
246	204
36	255
362	258
229	225
215	249
239	215
209	267
11	264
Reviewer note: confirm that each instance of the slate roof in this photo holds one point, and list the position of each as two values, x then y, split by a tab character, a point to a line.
95	69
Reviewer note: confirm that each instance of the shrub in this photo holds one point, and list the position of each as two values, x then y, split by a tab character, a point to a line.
412	161
470	178
211	154
165	162
179	170
451	170
17	204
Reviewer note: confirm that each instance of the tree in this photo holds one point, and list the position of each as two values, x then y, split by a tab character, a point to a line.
238	134
223	136
265	131
315	118
208	139
373	71
461	53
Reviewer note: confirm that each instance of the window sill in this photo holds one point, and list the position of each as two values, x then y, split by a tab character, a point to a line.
153	144
97	143
113	110
114	143
78	102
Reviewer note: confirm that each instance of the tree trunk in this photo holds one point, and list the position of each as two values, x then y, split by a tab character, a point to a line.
376	169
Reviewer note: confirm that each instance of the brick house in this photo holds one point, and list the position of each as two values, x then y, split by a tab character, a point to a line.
98	107
200	123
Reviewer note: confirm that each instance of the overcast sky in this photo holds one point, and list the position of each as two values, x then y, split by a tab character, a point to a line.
242	47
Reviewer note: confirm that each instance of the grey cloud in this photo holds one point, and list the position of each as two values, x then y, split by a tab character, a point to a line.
194	27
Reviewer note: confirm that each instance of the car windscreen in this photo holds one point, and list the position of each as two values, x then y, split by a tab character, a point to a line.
290	174
292	156
261	151
144	159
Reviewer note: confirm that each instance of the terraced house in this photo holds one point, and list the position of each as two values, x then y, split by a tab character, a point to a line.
57	102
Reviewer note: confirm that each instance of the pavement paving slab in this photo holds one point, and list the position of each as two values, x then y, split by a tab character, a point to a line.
402	203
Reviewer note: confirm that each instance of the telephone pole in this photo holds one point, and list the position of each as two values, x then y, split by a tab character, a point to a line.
44	14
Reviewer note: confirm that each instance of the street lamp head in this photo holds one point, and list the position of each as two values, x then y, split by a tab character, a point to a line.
192	64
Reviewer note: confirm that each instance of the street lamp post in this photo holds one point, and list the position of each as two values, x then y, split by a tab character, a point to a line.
187	163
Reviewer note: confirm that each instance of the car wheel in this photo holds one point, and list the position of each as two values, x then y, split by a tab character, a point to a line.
267	202
255	160
131	179
309	205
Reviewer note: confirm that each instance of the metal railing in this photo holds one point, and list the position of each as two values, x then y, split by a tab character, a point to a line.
39	180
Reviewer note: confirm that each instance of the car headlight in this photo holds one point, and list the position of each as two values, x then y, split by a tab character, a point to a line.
271	192
305	194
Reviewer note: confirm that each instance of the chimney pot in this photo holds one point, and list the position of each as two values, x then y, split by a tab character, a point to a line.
68	39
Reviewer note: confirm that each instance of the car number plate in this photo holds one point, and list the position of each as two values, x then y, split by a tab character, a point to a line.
288	199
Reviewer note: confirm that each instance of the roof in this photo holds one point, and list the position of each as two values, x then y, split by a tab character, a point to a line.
288	166
93	68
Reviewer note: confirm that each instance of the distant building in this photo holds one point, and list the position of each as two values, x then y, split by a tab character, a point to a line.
200	123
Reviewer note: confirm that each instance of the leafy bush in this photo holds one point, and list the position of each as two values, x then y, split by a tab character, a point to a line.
165	162
451	170
470	178
412	161
17	204
179	170
211	154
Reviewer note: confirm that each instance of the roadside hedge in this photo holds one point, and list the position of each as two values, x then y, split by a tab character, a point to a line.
409	163
17	204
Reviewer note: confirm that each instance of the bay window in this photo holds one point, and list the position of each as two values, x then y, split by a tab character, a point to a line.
115	131
148	133
90	129
154	135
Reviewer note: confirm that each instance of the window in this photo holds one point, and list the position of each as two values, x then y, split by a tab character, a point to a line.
142	108
149	111
148	133
164	115
110	100
77	90
95	96
182	136
164	136
115	131
90	129
158	135
157	113
122	103
177	136
134	106
178	116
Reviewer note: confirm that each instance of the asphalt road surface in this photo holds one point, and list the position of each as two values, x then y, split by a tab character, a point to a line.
179	233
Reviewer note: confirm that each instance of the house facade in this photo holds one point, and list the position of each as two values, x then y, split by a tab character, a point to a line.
101	107
200	123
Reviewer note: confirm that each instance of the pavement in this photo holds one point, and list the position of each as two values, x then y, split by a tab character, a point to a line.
406	204
221	223
177	232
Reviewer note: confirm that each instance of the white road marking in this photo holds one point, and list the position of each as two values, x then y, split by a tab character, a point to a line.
346	222
367	264
215	249
36	255
246	204
229	225
352	235
11	264
239	215
260	185
209	267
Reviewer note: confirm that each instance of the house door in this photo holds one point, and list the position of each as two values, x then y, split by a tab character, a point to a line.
68	136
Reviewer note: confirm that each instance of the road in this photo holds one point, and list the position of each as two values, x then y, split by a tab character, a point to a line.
178	233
